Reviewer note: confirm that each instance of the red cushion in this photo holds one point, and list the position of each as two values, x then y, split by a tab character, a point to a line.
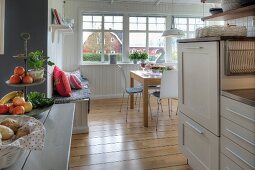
74	81
61	82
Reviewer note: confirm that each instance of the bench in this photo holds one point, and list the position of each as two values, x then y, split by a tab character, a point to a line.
81	98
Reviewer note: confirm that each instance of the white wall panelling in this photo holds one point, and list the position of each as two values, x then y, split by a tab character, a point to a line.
105	80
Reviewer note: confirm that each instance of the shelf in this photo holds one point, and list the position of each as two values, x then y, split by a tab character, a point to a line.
59	29
20	56
26	85
232	14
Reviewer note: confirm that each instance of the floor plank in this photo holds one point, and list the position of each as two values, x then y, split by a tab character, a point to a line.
115	144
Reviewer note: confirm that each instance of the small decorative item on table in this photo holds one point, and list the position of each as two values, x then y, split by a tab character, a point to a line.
24	133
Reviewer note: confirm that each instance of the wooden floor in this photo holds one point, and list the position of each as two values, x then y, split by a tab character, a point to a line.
113	144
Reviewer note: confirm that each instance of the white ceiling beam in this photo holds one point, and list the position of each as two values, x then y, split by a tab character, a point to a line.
112	1
157	2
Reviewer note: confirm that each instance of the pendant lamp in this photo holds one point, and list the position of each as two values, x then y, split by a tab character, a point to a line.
173	32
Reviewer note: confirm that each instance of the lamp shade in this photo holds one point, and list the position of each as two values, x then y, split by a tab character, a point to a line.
173	32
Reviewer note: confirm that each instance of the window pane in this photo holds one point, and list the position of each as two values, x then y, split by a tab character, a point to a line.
191	27
87	18
182	27
108	26
117	26
161	20
152	20
161	27
87	25
182	20
156	48
152	27
137	40
141	19
91	46
192	20
133	19
113	45
141	27
108	19
133	27
97	18
118	18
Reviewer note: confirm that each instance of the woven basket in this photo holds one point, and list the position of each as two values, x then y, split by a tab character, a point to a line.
230	4
216	31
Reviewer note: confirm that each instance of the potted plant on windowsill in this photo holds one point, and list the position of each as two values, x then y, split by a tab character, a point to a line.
143	56
36	62
135	56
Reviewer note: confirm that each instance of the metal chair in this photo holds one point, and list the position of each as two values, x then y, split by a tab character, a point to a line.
128	90
168	90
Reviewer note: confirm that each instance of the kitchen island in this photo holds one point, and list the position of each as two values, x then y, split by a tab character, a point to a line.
58	122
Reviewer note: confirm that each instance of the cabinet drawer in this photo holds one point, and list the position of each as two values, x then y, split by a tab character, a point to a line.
242	157
241	114
203	47
228	164
240	135
200	146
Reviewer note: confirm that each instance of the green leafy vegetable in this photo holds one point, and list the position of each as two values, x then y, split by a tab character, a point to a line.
39	99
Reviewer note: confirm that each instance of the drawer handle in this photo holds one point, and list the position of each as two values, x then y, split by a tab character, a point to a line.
240	114
239	157
246	140
193	127
194	47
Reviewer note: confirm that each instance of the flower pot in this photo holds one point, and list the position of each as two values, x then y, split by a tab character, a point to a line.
36	74
135	61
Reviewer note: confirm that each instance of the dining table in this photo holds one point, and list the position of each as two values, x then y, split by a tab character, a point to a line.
146	79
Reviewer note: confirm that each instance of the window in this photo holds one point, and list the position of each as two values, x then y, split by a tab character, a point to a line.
145	35
189	26
102	33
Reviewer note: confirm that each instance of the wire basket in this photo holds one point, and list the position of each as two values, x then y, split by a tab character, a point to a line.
230	4
240	57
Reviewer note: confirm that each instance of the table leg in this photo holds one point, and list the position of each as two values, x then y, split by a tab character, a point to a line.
145	104
131	96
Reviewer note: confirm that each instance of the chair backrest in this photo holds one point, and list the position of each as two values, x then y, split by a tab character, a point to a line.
169	84
123	78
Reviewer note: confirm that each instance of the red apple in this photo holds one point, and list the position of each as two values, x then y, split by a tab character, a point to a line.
27	79
11	108
19	70
3	108
18	101
18	110
15	79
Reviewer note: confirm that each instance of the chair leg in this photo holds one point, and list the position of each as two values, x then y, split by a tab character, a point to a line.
122	102
161	107
139	101
127	108
177	109
169	107
149	96
157	115
136	98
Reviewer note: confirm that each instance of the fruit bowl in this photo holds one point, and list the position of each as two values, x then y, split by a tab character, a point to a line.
25	85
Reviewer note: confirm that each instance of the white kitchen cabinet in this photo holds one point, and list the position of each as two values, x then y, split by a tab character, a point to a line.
199	145
239	155
228	164
198	66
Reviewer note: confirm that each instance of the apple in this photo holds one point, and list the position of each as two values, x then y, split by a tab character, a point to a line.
11	108
28	106
15	79
18	110
27	79
4	108
19	70
18	101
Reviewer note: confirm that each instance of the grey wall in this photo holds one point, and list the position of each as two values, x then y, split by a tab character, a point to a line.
22	16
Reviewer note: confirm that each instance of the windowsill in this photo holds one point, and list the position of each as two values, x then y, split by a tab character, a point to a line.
99	64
